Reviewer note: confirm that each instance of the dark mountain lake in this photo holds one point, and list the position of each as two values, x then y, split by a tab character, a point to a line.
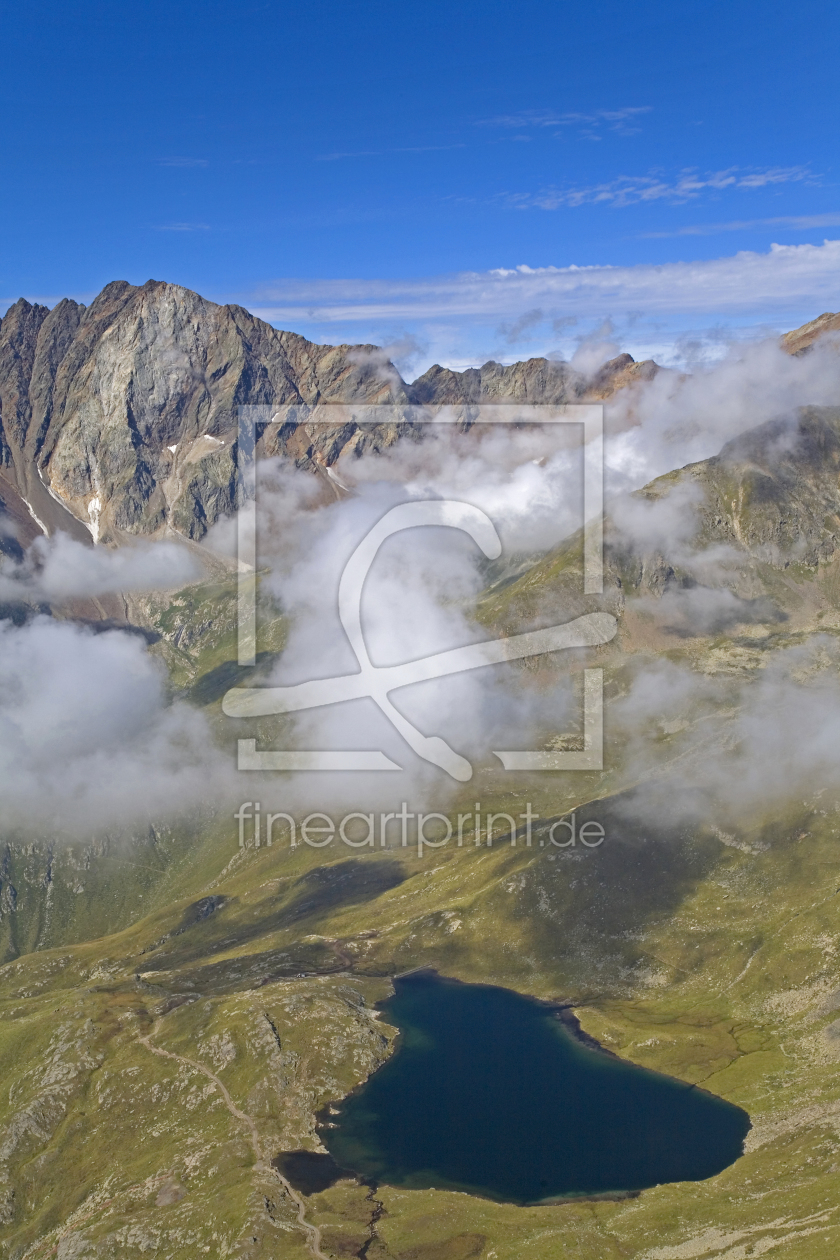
489	1093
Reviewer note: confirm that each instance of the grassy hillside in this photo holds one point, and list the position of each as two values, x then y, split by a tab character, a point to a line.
177	1011
711	962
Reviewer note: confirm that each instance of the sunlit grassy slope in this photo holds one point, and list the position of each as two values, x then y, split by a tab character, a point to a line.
711	962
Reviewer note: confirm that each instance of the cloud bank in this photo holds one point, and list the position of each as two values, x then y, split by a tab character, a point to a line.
805	276
464	319
418	600
741	750
59	568
676	419
88	738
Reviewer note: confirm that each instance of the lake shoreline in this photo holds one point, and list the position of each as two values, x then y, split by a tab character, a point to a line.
567	1017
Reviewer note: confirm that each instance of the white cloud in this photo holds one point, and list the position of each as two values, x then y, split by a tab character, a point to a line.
629	190
418	600
400	351
183	161
676	419
666	524
518	330
747	747
61	568
794	222
618	120
801	277
88	739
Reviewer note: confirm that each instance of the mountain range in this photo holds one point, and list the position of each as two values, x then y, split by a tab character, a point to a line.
178	1012
119	419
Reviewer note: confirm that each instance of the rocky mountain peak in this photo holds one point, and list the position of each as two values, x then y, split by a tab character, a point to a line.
801	339
119	418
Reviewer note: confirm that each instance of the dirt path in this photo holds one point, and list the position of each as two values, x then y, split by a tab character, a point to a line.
312	1232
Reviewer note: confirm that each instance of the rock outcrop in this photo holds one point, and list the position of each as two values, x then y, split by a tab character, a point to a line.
801	339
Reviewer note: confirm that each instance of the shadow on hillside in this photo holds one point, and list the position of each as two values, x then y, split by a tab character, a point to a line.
199	911
313	895
589	909
250	971
344	883
211	686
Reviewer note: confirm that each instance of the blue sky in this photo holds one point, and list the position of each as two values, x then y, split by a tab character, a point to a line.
426	174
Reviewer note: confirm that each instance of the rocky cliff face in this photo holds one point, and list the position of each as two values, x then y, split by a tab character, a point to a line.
120	418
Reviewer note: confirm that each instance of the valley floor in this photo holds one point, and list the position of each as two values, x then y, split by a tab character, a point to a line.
150	1076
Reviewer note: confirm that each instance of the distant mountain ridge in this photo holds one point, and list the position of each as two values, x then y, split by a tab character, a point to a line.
120	418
